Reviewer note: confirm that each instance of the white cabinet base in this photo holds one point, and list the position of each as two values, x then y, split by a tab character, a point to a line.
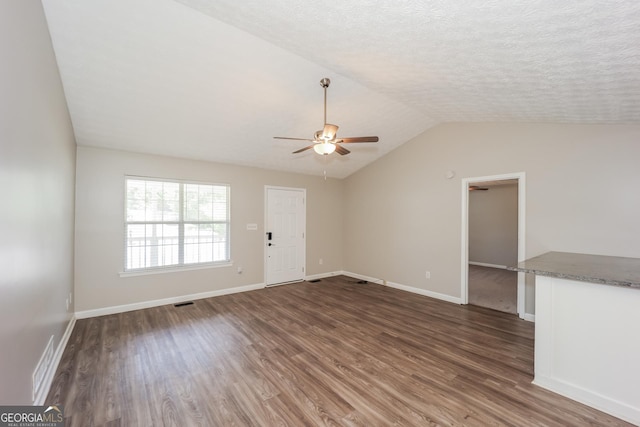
587	344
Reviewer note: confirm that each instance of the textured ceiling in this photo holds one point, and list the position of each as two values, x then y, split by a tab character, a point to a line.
217	79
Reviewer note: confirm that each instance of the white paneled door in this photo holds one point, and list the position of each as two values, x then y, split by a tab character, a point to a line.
285	235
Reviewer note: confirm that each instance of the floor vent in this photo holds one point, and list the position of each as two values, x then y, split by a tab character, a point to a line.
182	304
42	367
314	281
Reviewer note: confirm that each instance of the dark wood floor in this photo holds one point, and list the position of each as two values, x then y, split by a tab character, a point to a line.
328	353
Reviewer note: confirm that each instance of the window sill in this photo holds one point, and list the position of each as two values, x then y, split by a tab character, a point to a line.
161	270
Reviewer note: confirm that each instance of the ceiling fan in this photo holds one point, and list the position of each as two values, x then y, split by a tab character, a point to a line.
325	141
477	188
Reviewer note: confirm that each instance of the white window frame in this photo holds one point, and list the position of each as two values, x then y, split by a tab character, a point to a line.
180	266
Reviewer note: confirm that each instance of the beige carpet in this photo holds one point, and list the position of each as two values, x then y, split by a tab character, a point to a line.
493	288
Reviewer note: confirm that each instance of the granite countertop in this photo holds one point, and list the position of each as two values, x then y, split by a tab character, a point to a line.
608	270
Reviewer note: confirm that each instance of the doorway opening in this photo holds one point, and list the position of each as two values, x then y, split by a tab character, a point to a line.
493	238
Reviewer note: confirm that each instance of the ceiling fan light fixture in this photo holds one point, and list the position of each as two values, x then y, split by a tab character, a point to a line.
324	148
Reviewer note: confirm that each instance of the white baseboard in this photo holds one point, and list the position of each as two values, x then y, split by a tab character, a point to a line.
406	288
156	303
53	367
363	277
613	407
425	292
484	264
322	275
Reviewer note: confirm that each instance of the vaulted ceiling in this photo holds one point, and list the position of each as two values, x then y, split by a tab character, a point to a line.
217	79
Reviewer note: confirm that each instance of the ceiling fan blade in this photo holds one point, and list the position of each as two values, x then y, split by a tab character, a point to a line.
303	149
341	150
294	139
359	139
476	188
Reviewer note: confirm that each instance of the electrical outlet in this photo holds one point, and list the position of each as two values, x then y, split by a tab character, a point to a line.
428	275
240	270
320	261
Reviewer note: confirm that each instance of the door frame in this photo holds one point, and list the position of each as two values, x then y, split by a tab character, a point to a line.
304	227
466	182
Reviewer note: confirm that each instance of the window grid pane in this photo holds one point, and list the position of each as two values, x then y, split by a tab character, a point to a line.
155	230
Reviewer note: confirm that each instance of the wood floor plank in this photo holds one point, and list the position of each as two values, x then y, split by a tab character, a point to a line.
335	353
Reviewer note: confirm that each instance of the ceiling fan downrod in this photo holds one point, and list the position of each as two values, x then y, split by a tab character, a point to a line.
325	82
328	132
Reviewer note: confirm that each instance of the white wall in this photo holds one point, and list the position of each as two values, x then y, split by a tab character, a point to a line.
100	226
493	225
403	217
37	157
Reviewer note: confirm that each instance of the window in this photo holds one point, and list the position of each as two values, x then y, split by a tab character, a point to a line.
175	223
